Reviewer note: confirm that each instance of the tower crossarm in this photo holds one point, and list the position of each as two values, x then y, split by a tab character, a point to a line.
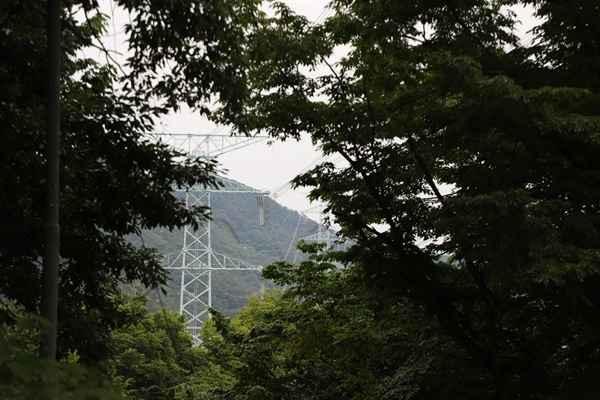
321	236
206	146
221	261
203	259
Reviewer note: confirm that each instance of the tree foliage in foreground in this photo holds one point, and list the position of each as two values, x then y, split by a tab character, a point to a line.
332	336
150	357
459	142
24	376
114	180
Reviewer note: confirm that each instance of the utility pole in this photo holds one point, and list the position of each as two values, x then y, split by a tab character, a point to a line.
49	302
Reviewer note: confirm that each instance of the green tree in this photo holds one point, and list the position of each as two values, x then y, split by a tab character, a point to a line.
152	354
460	143
24	376
213	376
115	181
331	335
254	349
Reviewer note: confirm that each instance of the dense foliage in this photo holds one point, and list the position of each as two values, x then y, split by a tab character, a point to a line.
469	186
151	355
472	162
114	181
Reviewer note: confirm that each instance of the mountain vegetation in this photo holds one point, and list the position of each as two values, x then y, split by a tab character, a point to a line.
236	232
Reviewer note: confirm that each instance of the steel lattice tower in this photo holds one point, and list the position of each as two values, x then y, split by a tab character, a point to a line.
197	260
324	234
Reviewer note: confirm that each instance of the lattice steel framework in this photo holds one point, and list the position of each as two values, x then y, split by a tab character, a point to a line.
197	260
324	234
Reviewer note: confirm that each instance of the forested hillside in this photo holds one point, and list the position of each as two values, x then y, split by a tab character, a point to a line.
236	232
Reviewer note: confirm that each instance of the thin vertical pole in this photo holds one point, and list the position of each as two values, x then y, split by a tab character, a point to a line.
49	302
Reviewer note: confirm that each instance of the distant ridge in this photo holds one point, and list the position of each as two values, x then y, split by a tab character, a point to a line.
236	232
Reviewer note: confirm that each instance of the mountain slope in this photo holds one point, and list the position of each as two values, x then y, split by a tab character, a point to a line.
236	231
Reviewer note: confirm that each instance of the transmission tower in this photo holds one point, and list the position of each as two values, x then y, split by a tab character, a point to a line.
197	260
324	234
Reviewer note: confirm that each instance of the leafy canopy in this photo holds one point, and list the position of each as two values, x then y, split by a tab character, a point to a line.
115	180
470	175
